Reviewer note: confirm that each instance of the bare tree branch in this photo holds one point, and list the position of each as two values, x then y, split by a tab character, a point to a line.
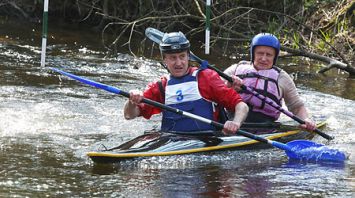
332	63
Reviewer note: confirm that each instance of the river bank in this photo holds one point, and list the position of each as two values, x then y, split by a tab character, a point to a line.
319	30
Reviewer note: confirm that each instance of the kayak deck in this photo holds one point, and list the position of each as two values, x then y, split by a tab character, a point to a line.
164	144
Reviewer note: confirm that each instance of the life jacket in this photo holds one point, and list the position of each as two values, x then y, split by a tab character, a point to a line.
183	93
264	82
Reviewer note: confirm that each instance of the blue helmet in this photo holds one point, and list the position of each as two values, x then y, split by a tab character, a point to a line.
174	42
265	39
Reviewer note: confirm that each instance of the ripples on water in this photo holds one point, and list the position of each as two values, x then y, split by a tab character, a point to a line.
49	122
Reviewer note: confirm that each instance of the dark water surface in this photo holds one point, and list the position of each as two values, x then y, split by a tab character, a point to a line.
48	124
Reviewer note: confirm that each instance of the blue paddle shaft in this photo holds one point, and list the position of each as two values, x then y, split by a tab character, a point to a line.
92	83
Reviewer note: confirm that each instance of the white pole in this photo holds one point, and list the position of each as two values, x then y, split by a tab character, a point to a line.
44	32
208	26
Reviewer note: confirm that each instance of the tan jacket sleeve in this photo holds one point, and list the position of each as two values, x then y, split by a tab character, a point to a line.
231	69
289	92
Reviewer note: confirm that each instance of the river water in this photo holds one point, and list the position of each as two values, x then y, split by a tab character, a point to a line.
49	123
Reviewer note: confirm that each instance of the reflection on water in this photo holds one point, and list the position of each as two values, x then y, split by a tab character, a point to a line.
49	123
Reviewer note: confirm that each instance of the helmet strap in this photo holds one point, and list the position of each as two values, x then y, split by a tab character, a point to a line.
164	65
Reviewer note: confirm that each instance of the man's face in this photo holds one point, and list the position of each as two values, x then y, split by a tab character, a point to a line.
264	57
177	63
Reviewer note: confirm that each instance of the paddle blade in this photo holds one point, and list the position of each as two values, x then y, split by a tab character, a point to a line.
154	35
310	151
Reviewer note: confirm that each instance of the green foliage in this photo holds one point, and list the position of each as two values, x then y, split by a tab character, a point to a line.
296	40
273	26
342	26
312	5
327	38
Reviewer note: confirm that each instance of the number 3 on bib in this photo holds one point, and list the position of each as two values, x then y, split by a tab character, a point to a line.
179	97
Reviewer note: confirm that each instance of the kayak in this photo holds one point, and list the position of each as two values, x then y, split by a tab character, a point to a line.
154	143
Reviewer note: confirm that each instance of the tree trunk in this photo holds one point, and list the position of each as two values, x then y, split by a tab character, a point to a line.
332	63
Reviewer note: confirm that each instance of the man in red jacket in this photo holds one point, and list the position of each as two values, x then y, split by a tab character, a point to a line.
187	88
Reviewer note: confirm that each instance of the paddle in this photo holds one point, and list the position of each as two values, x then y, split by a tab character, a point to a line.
297	150
156	36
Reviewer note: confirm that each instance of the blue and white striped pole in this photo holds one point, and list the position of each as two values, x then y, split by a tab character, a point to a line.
44	32
208	26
